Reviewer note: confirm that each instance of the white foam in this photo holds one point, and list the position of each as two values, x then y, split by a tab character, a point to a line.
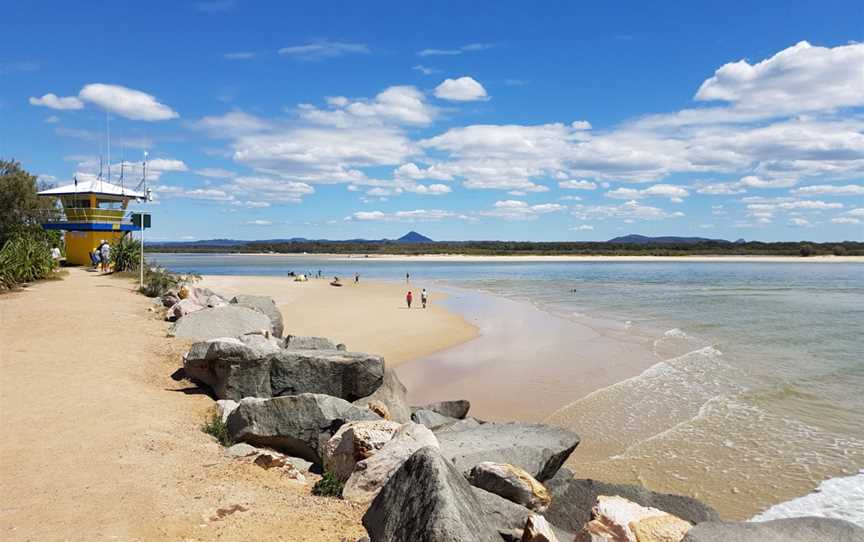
675	333
841	498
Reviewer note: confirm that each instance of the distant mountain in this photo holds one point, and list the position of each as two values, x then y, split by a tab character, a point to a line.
410	237
634	239
414	237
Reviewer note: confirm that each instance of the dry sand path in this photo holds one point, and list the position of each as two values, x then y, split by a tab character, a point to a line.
100	443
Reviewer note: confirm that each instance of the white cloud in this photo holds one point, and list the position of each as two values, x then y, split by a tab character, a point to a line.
162	165
458	51
755	182
126	102
419	215
800	78
809	205
520	210
259	223
53	119
324	49
845	220
425	70
429	189
856	212
214	173
577	185
720	189
831	190
582	227
232	124
56	102
674	193
463	89
413	172
629	211
242	55
398	104
800	222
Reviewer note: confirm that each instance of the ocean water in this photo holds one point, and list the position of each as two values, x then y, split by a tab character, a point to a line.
753	398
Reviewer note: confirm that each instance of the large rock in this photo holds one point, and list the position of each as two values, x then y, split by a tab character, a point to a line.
371	474
459	425
808	529
452	409
538	449
618	520
430	419
537	529
299	425
297	342
508	517
183	308
254	366
356	441
227	321
427	500
392	393
573	499
511	483
224	407
265	305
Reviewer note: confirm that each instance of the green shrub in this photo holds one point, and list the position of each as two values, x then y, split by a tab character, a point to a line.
216	428
328	486
158	280
25	257
806	250
126	254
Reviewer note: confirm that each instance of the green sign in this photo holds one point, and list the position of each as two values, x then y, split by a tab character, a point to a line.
138	218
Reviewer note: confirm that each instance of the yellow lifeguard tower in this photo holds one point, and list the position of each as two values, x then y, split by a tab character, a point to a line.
89	212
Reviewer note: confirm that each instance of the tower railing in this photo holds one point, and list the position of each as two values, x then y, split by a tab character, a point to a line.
86	214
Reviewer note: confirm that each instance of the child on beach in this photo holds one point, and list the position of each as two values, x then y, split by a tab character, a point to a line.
408	298
423	297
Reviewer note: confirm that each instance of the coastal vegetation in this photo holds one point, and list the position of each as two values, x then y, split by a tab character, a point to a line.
328	486
125	254
524	248
25	248
217	428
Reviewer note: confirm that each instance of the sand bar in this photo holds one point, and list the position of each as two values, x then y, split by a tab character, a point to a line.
370	316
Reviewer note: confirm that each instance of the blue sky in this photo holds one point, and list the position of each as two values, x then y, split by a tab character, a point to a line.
461	120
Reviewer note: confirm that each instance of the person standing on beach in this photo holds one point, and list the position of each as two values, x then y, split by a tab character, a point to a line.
407	278
424	297
55	256
356	278
105	253
408	298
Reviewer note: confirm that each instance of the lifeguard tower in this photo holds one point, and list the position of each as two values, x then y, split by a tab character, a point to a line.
89	212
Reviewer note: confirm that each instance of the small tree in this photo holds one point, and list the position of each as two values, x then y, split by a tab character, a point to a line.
20	207
839	250
806	250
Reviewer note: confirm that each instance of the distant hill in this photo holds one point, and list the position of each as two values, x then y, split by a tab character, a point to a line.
414	237
410	237
634	239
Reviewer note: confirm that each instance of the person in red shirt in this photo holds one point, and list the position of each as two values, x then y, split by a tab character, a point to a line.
408	298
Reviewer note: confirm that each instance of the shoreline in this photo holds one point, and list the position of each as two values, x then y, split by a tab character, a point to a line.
533	258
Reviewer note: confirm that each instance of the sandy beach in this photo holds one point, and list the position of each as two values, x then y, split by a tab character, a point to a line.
368	316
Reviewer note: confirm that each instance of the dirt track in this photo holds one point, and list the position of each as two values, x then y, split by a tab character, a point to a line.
100	443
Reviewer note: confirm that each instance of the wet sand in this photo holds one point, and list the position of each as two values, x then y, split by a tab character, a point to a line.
526	363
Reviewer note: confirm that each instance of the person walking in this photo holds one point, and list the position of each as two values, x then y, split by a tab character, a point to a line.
356	278
409	298
105	253
407	278
424	297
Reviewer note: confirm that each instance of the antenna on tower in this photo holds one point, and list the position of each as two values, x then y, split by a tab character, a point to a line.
108	130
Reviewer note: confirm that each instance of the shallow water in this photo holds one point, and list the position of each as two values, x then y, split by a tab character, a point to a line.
753	389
